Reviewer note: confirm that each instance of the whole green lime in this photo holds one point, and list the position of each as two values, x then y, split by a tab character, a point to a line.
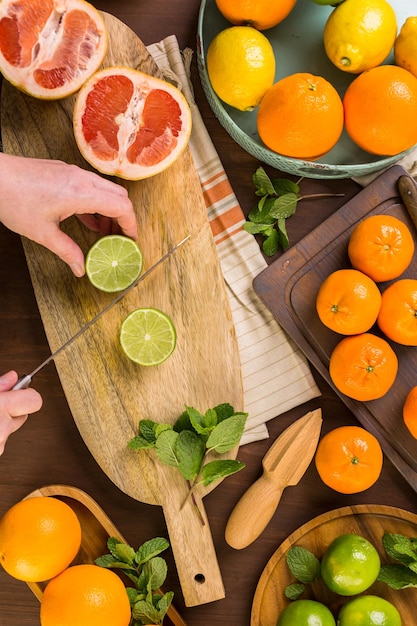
350	565
306	613
369	611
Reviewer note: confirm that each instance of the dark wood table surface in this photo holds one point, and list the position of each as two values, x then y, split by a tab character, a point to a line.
50	450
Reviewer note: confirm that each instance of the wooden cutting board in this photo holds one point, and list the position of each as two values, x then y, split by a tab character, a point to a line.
370	521
108	394
289	287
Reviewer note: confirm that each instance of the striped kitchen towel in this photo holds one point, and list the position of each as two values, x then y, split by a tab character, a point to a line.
276	376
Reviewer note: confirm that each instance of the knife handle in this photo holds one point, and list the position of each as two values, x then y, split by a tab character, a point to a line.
23	382
253	512
408	192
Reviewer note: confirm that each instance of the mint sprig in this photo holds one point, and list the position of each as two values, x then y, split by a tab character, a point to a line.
148	571
305	567
403	550
278	201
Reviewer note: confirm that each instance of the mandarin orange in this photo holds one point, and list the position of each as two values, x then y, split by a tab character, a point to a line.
300	116
349	459
398	314
260	14
348	302
410	411
363	367
381	246
380	110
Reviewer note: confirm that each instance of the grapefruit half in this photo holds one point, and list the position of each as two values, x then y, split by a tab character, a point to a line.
130	124
49	48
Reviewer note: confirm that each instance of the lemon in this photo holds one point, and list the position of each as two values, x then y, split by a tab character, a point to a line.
148	336
241	66
360	34
405	46
113	263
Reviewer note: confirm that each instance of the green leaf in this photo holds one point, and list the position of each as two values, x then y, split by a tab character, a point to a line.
146	612
108	561
284	206
261	213
224	411
399	548
294	591
156	572
270	246
132	594
165	448
120	550
282	234
227	434
150	549
189	449
256	229
139	443
285	185
216	470
262	182
202	424
303	564
397	576
147	430
161	428
165	602
183	422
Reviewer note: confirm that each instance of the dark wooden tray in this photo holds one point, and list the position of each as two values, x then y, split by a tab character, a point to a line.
288	287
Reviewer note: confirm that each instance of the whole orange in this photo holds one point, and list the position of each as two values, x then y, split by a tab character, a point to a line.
260	14
380	110
348	302
398	315
300	116
363	367
39	537
381	246
349	459
410	411
84	595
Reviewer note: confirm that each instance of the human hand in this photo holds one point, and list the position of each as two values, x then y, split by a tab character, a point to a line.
15	406
38	194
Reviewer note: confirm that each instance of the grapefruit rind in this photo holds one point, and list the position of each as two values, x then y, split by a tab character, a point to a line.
120	133
35	36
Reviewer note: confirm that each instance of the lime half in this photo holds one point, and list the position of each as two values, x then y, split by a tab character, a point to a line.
148	336
113	263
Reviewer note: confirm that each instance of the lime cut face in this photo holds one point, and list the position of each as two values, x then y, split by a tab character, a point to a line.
148	336
113	263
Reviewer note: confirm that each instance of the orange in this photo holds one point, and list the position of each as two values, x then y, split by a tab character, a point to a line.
49	48
363	367
348	302
380	110
260	14
85	595
349	459
129	124
398	315
300	116
381	246
39	537
405	46
410	411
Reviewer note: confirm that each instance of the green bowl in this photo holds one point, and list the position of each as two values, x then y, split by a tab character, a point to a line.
298	47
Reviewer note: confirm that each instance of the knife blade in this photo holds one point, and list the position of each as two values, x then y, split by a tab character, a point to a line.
408	193
284	465
25	380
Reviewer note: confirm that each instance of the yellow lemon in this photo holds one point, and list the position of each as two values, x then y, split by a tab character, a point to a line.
360	34
240	66
405	47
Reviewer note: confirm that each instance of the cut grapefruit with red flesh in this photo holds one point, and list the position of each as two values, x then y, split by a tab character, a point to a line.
130	124
49	48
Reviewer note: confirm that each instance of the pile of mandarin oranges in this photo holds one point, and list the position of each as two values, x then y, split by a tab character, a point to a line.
303	115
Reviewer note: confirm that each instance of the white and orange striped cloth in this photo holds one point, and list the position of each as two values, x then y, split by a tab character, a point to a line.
276	376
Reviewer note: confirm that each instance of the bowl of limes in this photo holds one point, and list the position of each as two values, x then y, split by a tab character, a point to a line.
298	46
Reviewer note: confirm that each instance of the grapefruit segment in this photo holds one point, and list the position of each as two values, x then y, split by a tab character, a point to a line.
130	124
49	48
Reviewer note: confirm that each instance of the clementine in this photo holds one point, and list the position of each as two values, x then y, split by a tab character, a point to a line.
398	315
300	116
410	411
381	246
363	367
380	110
349	459
260	14
39	537
85	594
348	302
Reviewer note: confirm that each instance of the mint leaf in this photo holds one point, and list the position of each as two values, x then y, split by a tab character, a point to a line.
216	470
202	424
399	548
285	185
139	443
165	448
155	571
150	549
146	613
147	430
224	411
227	434
303	564
294	591
282	234
284	206
261	213
397	576
189	449
262	182
270	245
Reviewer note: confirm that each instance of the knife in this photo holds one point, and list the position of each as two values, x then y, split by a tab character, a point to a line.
25	381
284	464
408	193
